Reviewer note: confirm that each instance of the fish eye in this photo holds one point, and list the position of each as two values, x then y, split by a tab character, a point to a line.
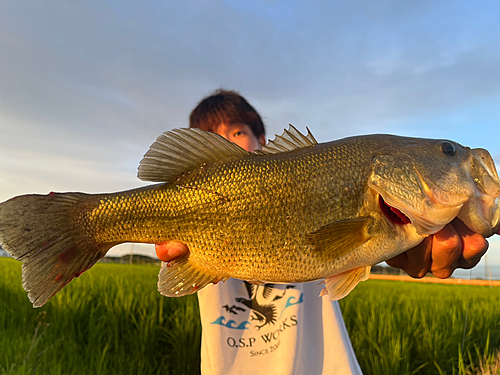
448	148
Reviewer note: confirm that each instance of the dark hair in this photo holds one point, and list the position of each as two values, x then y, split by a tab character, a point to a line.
225	107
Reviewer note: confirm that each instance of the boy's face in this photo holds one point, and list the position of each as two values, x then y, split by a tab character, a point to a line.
242	135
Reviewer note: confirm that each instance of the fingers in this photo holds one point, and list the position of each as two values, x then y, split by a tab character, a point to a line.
446	251
455	246
399	261
416	262
168	251
474	246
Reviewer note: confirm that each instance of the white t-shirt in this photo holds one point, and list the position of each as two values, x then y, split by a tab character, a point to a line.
279	330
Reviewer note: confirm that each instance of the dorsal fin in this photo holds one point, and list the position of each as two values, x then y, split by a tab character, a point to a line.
183	150
290	140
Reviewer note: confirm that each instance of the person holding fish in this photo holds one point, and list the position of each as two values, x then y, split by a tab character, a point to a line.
291	212
286	328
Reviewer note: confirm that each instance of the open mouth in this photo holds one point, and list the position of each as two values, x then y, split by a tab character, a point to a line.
392	213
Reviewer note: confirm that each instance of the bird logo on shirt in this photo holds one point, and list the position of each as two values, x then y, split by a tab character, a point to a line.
262	302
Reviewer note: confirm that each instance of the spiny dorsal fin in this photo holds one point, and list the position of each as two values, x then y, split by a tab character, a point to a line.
290	140
183	150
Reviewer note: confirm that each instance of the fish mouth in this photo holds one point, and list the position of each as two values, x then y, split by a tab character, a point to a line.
481	213
394	215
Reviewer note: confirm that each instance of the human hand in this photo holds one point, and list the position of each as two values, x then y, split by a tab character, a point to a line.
455	246
167	251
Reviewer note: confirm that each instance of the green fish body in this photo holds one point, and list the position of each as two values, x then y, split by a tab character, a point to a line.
295	211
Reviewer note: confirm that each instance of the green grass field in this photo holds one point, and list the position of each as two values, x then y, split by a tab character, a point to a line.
410	328
112	320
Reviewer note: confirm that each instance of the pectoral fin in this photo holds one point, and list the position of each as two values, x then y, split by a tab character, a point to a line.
341	237
339	286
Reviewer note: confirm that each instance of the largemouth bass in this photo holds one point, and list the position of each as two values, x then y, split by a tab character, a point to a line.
295	211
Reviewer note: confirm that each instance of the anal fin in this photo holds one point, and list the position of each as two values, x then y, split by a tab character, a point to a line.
180	278
339	286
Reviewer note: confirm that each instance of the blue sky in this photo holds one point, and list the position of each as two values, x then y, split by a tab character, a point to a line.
86	86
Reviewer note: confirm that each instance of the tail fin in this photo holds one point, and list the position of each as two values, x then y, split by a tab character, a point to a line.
42	232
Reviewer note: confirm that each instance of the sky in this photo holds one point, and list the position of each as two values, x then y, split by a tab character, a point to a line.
87	86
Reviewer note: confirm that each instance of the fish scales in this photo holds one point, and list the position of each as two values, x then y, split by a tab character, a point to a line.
231	213
295	211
